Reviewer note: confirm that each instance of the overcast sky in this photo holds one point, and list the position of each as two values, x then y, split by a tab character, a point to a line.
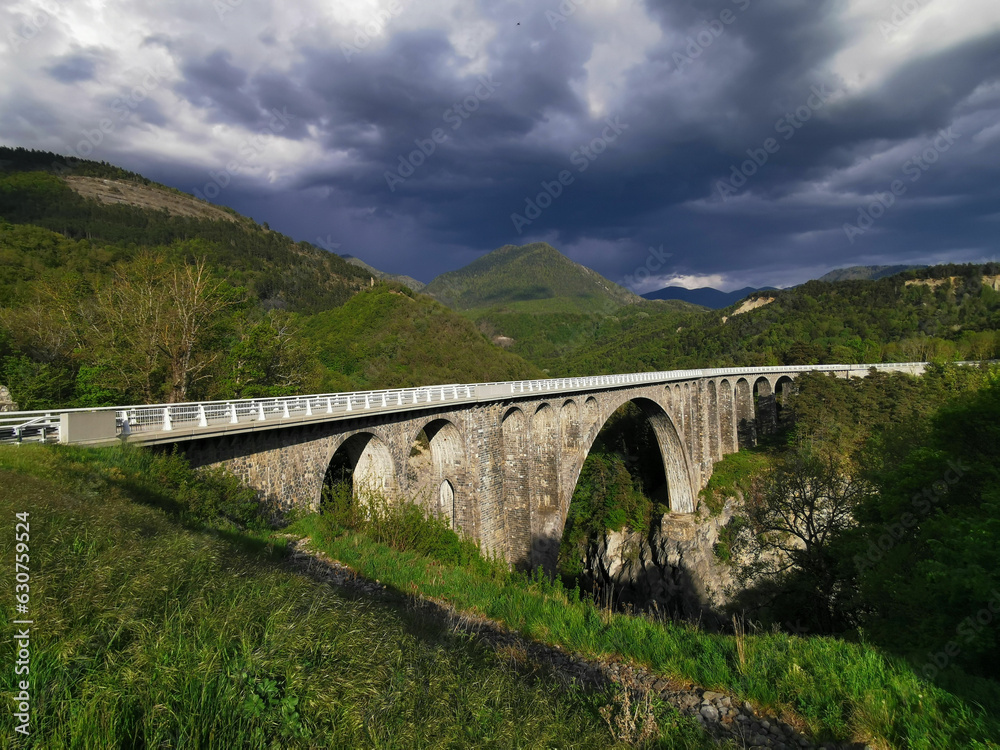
723	143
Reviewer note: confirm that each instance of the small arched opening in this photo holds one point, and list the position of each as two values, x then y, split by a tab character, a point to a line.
446	501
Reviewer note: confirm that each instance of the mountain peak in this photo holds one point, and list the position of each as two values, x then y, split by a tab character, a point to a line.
514	274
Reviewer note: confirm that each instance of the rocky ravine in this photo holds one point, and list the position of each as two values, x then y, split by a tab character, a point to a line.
728	720
672	570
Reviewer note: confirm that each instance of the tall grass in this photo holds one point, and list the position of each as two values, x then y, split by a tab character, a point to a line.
149	633
841	690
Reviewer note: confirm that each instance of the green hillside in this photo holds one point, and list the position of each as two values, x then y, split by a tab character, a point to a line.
114	289
166	625
277	271
535	301
530	273
384	335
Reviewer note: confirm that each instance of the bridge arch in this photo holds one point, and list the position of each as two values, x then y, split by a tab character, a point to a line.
546	516
436	468
764	405
714	443
784	389
728	423
676	464
364	460
745	424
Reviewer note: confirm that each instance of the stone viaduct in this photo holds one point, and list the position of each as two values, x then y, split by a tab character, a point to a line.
503	471
499	460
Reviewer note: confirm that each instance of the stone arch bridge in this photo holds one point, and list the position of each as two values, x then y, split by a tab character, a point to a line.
499	460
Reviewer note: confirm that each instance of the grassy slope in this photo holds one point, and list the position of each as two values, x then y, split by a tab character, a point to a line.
839	689
387	337
150	634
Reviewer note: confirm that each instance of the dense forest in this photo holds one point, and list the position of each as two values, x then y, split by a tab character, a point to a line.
896	319
877	512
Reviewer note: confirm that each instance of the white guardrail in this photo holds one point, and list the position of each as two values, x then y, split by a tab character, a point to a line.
144	420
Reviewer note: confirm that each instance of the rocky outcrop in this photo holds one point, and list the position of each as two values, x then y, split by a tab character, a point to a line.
672	569
6	402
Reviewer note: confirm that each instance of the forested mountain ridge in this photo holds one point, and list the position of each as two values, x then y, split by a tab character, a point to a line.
941	313
392	278
114	289
539	304
529	273
869	273
36	189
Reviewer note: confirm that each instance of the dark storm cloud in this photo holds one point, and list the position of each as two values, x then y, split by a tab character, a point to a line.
381	105
215	84
724	78
74	68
